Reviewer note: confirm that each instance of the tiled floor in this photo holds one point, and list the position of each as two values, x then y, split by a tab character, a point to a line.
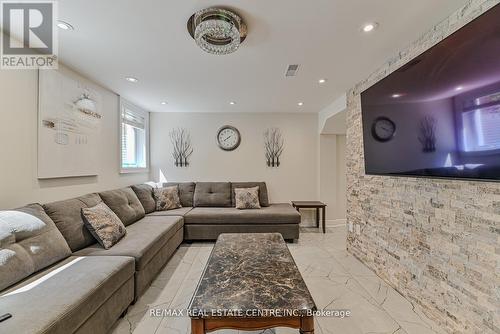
335	278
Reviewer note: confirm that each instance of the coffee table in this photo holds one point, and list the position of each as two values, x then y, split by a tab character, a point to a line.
251	282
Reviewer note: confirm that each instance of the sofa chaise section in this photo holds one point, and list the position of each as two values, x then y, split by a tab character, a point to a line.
151	241
275	214
209	210
206	223
77	295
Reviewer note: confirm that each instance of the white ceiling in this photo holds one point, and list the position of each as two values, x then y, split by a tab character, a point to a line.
148	39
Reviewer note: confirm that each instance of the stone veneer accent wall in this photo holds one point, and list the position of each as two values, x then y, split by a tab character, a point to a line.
436	241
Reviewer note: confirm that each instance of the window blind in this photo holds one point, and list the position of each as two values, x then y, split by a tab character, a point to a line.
133	138
481	125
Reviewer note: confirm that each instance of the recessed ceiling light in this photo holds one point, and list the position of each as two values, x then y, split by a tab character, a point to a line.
131	79
300	104
322	81
163	102
370	27
396	96
458	88
64	25
232	103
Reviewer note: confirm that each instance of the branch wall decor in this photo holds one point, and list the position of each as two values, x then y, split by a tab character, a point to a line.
274	145
427	136
182	148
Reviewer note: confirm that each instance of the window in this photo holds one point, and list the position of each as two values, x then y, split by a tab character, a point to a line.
134	135
481	124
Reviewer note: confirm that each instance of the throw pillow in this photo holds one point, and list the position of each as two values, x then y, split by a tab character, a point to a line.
167	198
103	224
247	198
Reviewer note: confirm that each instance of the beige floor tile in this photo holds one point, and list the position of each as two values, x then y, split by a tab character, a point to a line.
335	278
143	323
352	265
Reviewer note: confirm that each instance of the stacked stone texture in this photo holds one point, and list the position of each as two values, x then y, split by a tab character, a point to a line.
436	241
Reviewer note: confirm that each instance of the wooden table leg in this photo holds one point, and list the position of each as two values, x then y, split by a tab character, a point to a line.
307	325
324	219
317	217
197	326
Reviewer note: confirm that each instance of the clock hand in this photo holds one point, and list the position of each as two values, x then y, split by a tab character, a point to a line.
226	138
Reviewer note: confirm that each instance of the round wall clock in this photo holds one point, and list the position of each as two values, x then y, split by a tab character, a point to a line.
228	138
383	129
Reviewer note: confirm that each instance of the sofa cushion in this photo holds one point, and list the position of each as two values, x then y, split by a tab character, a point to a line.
167	198
263	197
125	204
104	225
247	198
212	194
142	241
186	191
144	193
67	215
181	212
61	298
29	242
273	214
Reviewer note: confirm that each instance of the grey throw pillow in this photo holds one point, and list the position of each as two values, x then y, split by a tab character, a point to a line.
247	198
103	224
167	198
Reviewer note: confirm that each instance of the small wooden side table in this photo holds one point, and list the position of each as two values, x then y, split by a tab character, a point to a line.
313	205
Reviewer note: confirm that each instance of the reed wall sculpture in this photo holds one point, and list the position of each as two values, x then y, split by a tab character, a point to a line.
182	147
274	145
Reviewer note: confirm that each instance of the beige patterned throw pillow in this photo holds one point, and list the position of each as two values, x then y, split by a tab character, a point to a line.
247	198
167	198
103	224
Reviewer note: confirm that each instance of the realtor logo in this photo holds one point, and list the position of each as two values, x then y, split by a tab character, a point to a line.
29	35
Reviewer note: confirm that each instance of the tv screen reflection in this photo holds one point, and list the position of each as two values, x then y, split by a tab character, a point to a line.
439	115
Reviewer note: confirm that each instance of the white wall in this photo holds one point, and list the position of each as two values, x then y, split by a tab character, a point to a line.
341	169
332	185
295	179
18	146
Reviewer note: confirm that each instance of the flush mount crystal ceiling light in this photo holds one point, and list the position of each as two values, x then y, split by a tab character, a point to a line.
217	31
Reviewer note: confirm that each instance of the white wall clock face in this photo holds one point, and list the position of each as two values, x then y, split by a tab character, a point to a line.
228	138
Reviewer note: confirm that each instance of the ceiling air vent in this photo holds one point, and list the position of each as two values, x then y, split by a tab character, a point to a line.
291	71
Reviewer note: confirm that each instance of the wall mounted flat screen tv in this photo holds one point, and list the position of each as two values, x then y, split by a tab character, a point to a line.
439	115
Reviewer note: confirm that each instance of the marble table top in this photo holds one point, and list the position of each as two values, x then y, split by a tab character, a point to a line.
251	275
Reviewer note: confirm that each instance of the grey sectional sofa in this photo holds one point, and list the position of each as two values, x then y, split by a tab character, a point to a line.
55	278
208	210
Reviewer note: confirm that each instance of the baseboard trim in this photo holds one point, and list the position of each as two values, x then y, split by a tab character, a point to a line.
336	222
328	223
